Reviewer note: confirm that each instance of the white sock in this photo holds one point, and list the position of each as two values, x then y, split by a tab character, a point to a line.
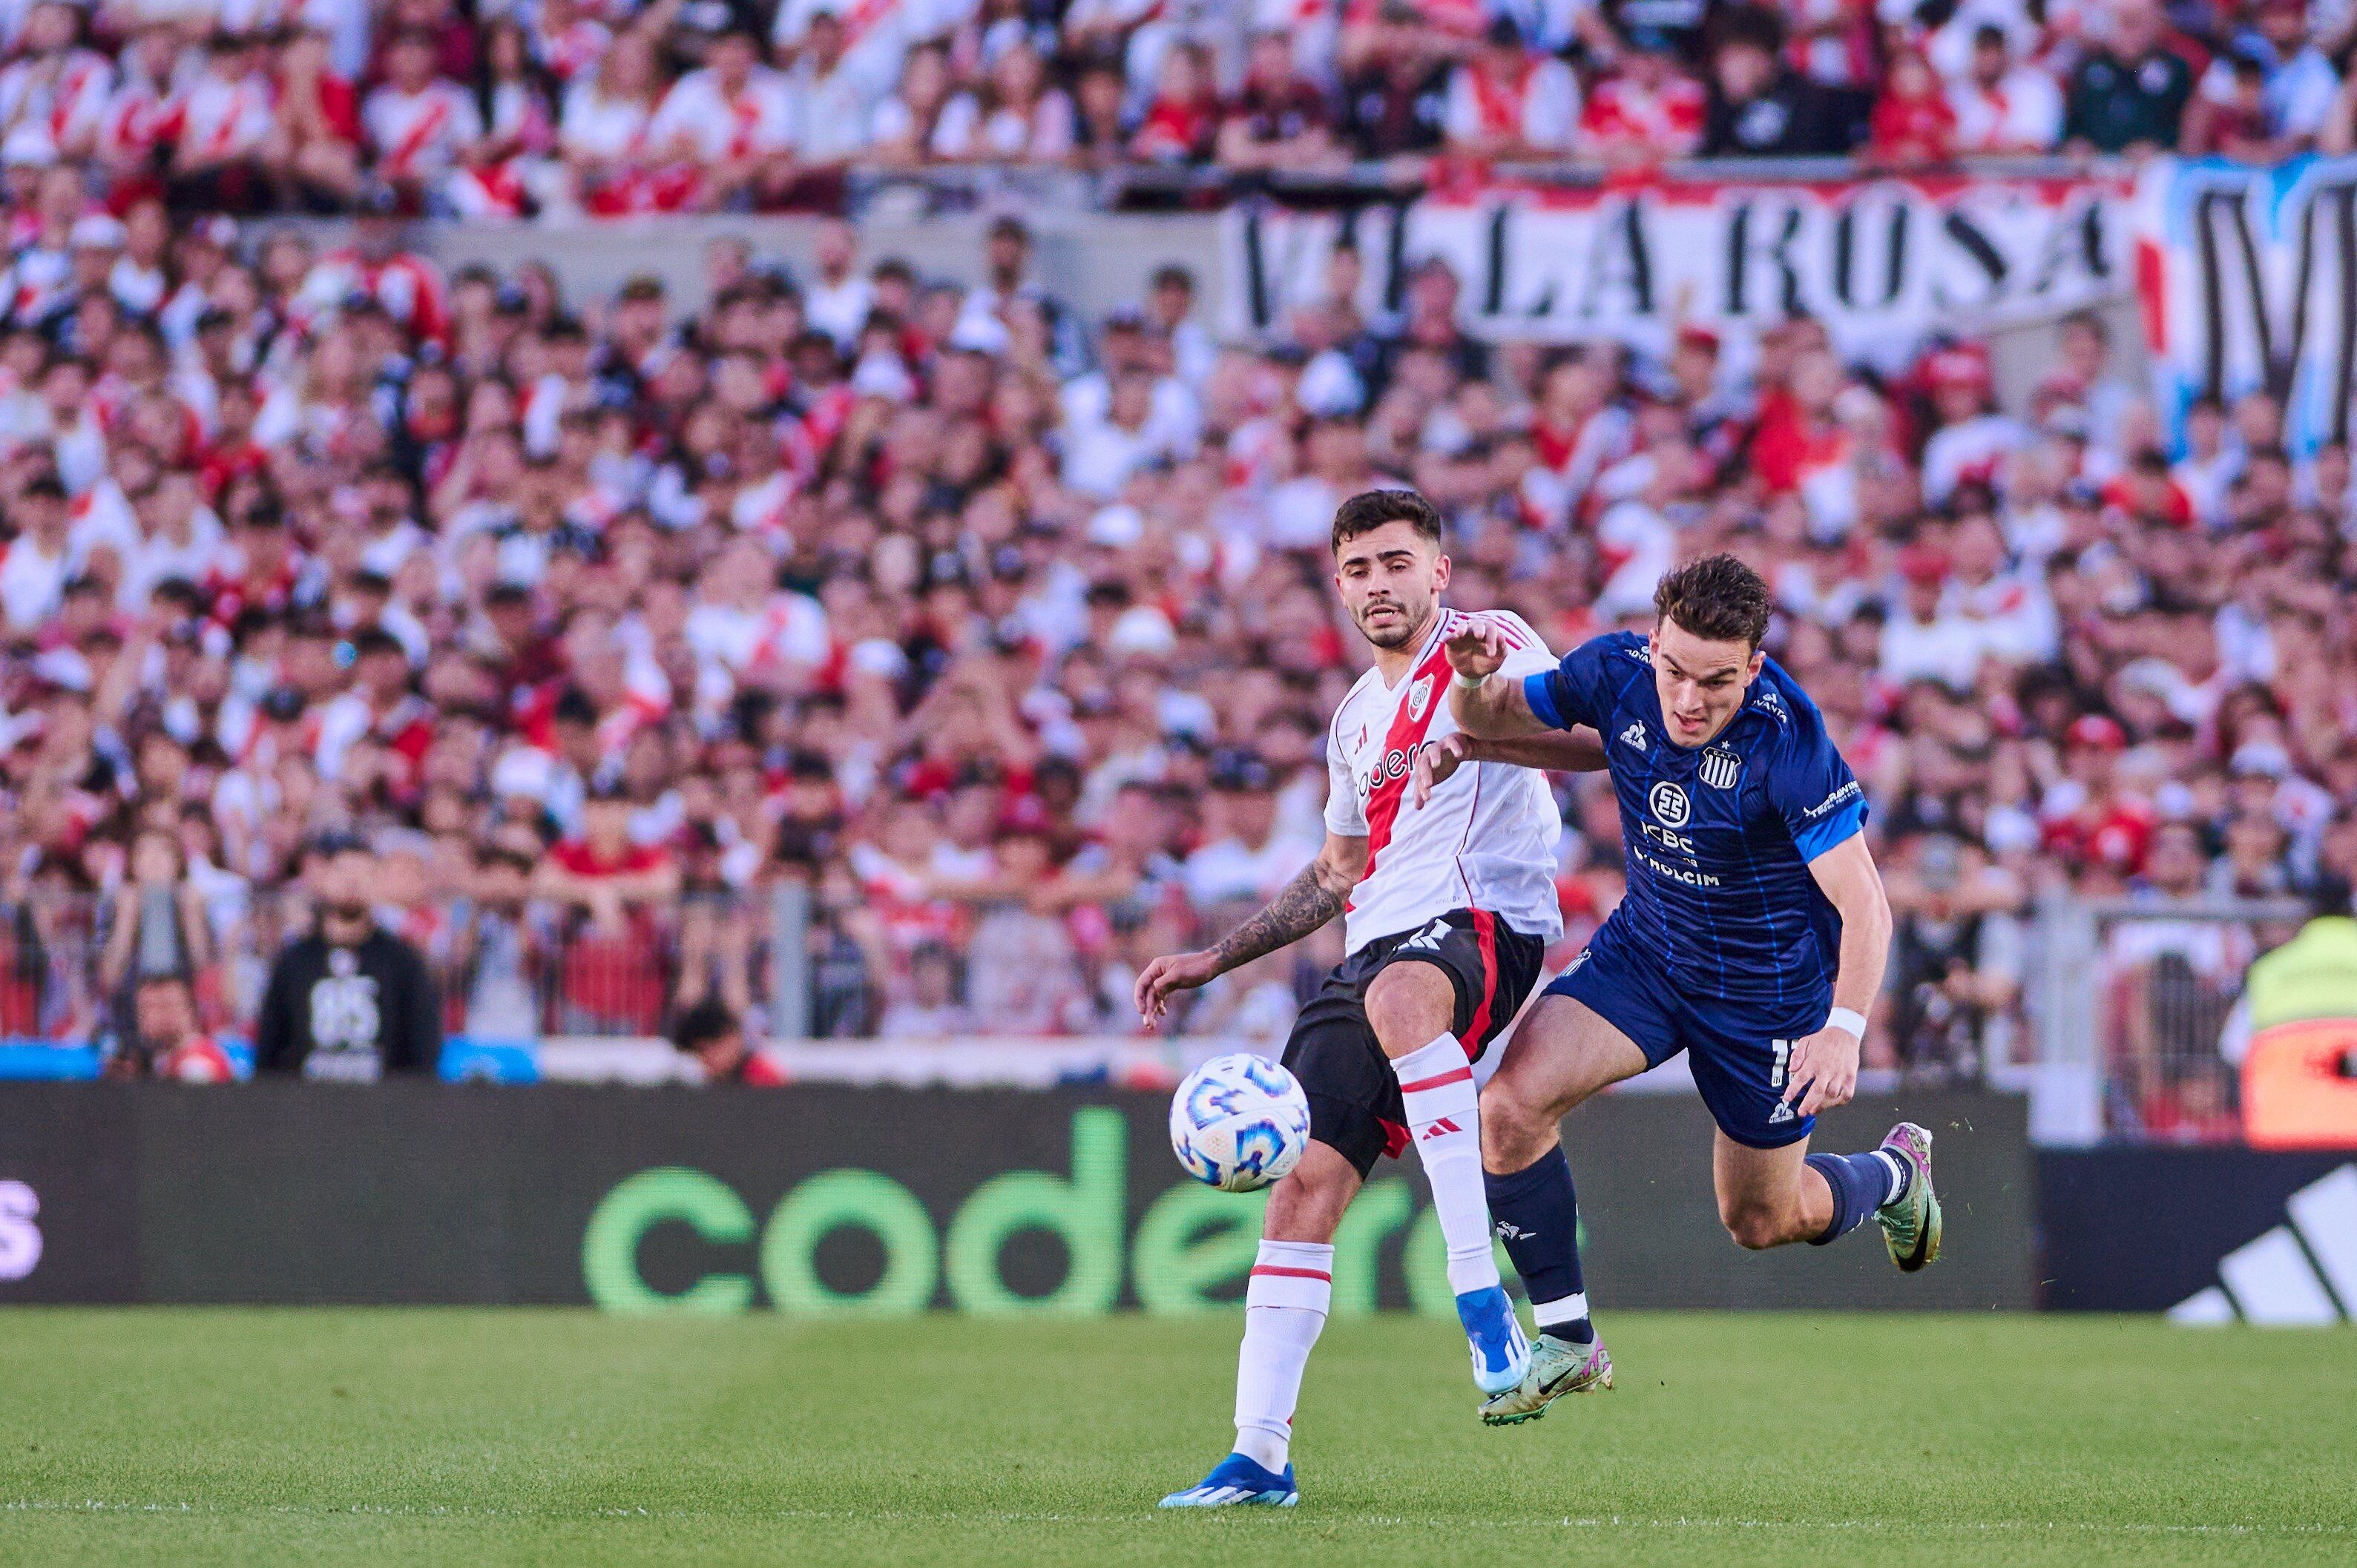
1285	1307
1898	1183
1444	1121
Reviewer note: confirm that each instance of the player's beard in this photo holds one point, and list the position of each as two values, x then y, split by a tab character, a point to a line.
1404	626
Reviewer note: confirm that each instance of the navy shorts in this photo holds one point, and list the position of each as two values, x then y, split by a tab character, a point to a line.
1738	1052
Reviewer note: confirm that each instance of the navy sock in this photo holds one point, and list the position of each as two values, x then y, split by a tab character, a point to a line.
1536	1214
1861	1184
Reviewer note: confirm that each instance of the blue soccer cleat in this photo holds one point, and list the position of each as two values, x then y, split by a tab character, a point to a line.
1500	1354
1237	1482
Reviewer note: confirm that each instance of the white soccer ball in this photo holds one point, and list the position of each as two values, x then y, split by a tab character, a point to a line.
1240	1122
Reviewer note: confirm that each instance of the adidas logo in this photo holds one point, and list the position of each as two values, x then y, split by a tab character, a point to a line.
1634	735
2299	1275
1437	1128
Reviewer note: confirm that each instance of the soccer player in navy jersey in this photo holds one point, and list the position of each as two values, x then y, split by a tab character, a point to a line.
1752	937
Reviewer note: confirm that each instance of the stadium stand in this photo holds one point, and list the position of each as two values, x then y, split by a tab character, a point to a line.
1003	636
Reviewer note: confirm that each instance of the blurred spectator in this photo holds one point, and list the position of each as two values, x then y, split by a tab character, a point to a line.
223	130
1913	120
607	135
495	948
715	1037
160	929
1760	107
1505	102
164	1041
1279	119
732	120
2129	90
1017	116
2003	107
1648	110
614	887
349	1002
413	128
1397	87
2295	82
930	1010
1183	120
1244	857
1957	957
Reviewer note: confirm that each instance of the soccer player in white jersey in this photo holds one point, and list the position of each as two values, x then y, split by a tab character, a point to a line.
1446	878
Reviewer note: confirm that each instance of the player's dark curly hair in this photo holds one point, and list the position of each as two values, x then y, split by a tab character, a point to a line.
1717	598
1370	510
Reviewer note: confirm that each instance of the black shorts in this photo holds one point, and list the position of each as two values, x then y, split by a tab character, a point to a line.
1355	1097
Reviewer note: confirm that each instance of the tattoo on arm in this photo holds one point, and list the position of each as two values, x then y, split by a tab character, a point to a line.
1305	904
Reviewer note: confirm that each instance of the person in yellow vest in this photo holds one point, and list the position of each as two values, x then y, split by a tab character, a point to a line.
2296	1033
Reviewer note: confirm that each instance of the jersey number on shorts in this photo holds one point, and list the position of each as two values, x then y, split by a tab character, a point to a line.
1784	1049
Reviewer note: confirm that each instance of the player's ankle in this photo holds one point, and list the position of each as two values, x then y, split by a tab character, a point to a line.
1469	1272
1566	1319
1268	1449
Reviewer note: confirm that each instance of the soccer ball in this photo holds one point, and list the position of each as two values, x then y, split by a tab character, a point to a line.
1239	1122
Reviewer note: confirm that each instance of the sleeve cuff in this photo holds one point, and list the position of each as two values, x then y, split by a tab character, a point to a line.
1536	694
1836	830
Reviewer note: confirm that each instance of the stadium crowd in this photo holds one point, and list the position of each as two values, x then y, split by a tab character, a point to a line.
1000	640
505	108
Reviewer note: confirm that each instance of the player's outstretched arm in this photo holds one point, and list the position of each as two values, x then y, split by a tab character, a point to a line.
1826	1064
1579	750
1307	902
1486	704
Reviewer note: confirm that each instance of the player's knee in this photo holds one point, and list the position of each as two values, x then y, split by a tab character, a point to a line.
1307	1204
1407	1006
1754	1226
1513	1130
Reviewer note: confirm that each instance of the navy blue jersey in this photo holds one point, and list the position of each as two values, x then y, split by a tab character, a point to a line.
1719	837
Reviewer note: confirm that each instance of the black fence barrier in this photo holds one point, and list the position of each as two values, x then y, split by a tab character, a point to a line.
2147	1229
821	1199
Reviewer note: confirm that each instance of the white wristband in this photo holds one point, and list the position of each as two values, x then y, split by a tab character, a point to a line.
1848	1020
1460	682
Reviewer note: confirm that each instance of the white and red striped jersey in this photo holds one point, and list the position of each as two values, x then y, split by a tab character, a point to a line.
758	119
409	287
610	130
420	134
571	52
1624	114
221	119
2022	114
66	96
1538	106
1485	840
139	117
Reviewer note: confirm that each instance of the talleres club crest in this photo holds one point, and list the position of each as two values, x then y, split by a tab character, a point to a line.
1719	767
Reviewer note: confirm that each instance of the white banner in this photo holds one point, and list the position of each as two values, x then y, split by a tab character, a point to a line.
2247	281
1881	262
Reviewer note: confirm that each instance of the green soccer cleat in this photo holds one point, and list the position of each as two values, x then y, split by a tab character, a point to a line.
1910	1222
1558	1366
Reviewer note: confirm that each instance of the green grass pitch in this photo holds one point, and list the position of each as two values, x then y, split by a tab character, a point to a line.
387	1437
